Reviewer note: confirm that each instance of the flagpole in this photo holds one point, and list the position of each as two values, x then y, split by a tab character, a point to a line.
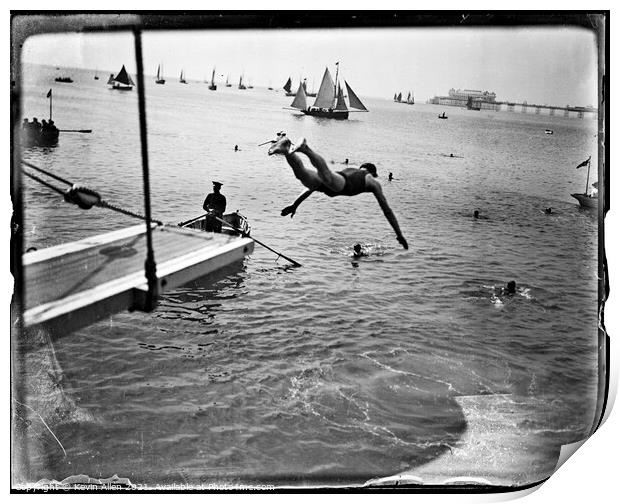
588	177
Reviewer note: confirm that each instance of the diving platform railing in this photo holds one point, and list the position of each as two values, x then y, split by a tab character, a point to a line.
75	284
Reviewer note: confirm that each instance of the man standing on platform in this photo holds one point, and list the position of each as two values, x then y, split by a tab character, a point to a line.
214	205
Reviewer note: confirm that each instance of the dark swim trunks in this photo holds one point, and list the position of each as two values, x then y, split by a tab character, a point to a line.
355	183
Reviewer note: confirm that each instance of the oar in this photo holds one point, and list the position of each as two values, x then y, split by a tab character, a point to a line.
292	261
76	131
228	224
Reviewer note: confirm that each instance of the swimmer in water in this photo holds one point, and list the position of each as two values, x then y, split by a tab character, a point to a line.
548	211
358	252
511	288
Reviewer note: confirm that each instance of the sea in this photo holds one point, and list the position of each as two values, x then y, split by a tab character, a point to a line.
402	362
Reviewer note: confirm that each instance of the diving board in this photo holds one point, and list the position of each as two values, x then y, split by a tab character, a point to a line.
75	284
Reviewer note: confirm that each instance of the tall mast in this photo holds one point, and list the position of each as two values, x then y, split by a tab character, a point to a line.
587	178
336	81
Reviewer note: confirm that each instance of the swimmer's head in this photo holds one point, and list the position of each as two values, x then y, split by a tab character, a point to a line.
357	248
476	214
511	287
370	168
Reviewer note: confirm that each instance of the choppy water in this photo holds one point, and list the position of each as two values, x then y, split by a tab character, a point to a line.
341	370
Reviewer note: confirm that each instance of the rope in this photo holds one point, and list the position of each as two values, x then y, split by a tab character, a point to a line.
83	197
150	268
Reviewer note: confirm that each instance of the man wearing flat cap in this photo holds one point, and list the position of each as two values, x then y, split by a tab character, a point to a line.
214	205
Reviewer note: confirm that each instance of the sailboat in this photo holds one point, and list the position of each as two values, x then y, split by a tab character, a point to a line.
122	82
585	199
330	101
241	85
213	86
410	100
398	97
313	94
160	76
96	76
250	86
228	84
287	87
182	78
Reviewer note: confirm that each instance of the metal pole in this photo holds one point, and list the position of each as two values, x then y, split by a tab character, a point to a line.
149	264
50	105
587	178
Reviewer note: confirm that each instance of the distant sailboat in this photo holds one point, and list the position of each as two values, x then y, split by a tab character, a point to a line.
287	87
410	99
182	78
213	86
330	101
160	75
250	86
228	84
398	97
96	76
122	82
312	93
241	85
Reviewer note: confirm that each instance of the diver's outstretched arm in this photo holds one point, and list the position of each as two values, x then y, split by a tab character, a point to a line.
387	211
291	209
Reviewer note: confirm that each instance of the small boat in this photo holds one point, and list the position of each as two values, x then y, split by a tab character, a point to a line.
122	82
213	86
182	78
160	75
410	100
228	84
241	84
96	75
587	200
40	137
442	116
330	102
398	97
549	132
236	222
287	88
64	79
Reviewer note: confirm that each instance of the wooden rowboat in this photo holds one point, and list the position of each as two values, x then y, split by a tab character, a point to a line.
236	222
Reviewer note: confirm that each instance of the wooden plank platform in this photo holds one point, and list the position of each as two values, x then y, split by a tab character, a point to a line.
71	285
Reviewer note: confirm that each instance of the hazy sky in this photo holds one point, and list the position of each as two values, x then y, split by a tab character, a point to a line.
555	66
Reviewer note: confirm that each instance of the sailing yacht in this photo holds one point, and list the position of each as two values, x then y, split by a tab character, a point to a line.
330	101
182	78
228	84
241	85
160	75
122	82
287	88
410	100
213	86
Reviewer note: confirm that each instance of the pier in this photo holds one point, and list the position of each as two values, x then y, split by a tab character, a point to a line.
486	100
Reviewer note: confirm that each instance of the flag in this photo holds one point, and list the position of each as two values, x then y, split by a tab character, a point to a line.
49	93
586	162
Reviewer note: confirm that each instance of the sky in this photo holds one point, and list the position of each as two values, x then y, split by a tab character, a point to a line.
555	66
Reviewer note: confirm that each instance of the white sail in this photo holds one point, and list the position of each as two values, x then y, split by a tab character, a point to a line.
354	101
300	99
325	97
